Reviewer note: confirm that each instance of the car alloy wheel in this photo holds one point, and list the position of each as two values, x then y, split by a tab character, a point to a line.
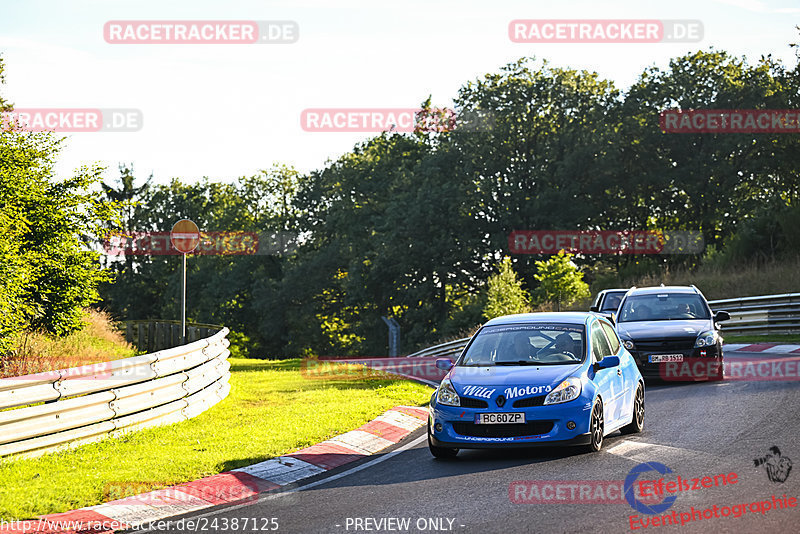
596	427
637	423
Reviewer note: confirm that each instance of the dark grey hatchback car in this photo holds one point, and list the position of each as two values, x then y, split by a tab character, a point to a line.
671	333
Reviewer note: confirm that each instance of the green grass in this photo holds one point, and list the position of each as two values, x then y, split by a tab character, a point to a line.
770	338
273	409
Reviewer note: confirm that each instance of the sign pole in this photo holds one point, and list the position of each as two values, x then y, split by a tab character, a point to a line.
185	236
183	303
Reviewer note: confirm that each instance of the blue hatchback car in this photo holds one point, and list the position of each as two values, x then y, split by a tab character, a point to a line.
537	379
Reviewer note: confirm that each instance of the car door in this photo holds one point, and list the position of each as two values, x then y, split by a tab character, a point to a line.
608	381
624	373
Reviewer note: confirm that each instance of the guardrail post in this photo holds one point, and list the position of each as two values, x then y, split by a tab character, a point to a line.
176	335
151	337
142	337
129	331
164	336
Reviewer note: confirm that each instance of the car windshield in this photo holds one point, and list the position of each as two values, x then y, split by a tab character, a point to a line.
526	344
612	300
663	307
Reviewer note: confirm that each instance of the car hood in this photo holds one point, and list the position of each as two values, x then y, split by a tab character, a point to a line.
663	329
503	376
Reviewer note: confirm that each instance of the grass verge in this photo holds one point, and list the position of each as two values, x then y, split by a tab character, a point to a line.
274	408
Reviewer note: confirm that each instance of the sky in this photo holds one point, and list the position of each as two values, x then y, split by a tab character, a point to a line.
228	110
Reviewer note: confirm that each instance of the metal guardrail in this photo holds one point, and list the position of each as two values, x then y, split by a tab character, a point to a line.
451	348
58	409
761	315
765	314
151	335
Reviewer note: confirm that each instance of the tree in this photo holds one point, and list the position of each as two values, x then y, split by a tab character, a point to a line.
127	195
48	222
560	280
505	292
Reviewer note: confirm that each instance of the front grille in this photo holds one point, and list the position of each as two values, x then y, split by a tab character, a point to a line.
530	401
533	428
664	345
468	402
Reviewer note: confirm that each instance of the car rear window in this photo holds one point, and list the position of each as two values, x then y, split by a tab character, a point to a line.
612	301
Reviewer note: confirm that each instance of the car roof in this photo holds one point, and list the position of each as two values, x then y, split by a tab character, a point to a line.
580	318
664	289
614	290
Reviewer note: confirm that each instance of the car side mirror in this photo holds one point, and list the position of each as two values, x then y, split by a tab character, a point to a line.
594	308
722	316
607	363
444	364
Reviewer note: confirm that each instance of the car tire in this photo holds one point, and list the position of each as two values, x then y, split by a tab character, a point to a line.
596	427
637	423
441	452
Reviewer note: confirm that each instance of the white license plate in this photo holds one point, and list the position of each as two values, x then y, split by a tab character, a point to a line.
499	418
659	358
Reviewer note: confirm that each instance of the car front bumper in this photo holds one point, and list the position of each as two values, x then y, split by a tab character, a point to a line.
668	371
545	426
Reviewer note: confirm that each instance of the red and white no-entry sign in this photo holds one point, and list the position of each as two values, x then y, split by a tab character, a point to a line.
185	236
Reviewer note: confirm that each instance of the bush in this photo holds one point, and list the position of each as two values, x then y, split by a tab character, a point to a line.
560	280
505	293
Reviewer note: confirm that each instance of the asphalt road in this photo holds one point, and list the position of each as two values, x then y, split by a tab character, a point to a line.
695	429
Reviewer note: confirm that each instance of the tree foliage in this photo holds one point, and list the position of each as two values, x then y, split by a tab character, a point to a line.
48	270
412	225
49	273
560	280
505	294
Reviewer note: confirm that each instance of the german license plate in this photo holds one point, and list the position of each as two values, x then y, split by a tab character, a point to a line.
659	358
499	418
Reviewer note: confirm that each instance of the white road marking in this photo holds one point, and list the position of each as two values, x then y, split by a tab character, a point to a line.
643	452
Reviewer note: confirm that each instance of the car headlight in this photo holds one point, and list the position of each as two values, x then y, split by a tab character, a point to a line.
628	344
706	339
567	390
446	394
